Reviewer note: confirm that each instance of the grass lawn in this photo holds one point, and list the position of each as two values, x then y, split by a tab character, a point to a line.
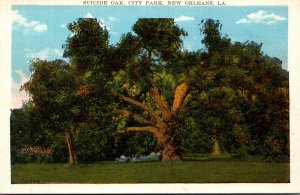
153	172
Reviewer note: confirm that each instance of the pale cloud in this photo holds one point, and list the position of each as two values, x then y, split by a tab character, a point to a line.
184	19
261	17
21	22
109	20
89	15
40	28
187	45
44	54
104	22
113	33
112	19
58	52
18	97
63	26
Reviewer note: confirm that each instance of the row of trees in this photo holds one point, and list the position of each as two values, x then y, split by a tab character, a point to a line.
147	93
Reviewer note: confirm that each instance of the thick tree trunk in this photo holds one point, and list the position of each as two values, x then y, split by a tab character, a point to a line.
71	148
215	147
169	150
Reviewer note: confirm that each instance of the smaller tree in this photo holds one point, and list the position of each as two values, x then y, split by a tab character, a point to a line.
66	94
55	97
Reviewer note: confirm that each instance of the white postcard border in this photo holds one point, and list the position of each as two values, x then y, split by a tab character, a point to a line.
5	87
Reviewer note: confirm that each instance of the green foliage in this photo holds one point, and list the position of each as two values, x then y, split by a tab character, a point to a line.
191	137
87	44
135	143
123	53
213	39
25	132
100	147
237	95
159	35
230	98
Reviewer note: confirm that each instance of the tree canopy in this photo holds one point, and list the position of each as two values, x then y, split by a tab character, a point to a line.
147	93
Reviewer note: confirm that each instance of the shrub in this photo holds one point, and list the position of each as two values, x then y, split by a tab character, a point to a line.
32	154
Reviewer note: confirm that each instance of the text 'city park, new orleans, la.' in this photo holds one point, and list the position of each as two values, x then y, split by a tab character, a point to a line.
155	3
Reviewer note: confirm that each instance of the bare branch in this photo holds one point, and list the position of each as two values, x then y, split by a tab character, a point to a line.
166	114
180	94
139	104
146	128
137	117
151	129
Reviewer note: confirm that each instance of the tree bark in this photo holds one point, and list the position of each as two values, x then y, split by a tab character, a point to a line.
215	147
169	150
166	114
139	104
181	92
71	148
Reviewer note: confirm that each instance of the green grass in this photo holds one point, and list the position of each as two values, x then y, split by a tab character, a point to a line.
153	172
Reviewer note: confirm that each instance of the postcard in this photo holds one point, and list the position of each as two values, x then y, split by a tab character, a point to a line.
121	96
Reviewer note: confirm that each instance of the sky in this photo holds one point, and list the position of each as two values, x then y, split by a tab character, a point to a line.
40	31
